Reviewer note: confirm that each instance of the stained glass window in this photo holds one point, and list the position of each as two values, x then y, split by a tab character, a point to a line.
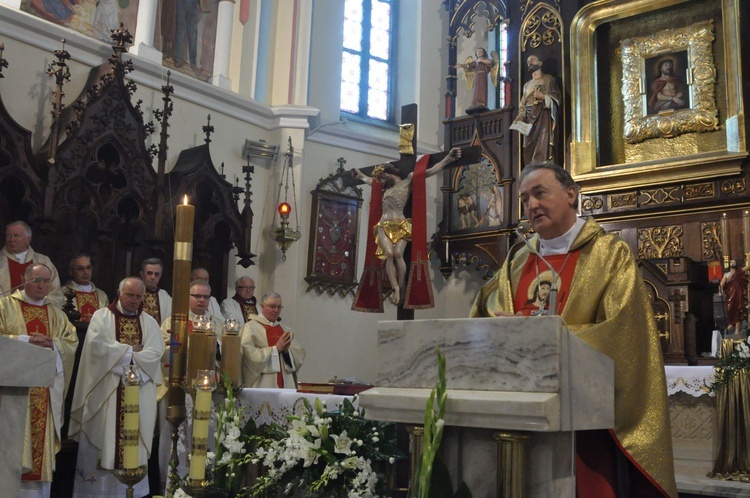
367	63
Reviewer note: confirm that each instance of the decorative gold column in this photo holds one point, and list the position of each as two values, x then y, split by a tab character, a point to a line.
725	252
416	433
511	465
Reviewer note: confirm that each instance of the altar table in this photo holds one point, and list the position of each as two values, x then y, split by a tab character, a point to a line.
267	406
692	411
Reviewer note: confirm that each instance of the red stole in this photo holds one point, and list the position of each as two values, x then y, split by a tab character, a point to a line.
16	271
370	288
127	331
532	293
273	334
37	321
87	303
150	304
248	308
419	286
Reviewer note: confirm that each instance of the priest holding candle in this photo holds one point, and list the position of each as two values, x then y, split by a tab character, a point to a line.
119	336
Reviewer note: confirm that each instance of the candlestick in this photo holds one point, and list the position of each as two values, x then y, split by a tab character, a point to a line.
205	383
231	352
131	381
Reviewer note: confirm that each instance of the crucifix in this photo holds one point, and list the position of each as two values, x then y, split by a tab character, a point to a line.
397	216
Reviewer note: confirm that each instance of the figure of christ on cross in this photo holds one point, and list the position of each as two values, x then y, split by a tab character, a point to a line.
394	228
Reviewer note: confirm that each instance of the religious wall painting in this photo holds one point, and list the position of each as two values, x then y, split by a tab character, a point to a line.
477	198
186	35
668	83
94	18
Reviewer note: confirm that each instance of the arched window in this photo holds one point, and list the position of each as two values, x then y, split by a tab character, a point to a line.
367	60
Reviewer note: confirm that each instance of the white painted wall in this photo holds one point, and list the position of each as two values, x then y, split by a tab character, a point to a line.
339	342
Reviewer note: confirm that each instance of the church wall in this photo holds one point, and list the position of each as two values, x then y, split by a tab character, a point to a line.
338	340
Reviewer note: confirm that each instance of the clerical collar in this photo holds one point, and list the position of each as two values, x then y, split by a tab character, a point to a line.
561	244
32	301
126	313
21	256
82	288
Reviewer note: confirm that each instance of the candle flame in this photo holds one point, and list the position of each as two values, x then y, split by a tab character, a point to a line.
185	200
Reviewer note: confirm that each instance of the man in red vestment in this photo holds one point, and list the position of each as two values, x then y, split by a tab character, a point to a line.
604	302
733	286
271	356
16	255
88	297
28	316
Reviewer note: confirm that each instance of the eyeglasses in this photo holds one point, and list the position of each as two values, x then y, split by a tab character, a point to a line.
245	287
201	296
274	306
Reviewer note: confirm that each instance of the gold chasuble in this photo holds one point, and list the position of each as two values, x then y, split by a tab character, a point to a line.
128	332
151	305
607	306
44	417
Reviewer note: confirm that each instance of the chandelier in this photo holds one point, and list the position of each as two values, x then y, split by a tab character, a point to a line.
283	235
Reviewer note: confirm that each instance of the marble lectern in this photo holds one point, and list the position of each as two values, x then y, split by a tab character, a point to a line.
509	379
22	365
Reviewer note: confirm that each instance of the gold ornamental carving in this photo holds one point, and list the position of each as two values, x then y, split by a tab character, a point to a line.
592	203
711	241
542	26
623	200
734	186
700	191
660	196
660	242
695	109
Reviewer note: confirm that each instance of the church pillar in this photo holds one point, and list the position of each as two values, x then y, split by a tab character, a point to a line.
143	44
222	47
511	455
289	51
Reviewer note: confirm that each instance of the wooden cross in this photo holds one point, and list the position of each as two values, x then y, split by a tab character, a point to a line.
406	164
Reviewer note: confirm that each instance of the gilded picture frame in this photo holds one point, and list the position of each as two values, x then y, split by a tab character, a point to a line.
668	81
667	157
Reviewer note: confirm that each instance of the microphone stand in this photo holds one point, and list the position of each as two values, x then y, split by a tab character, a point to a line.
521	230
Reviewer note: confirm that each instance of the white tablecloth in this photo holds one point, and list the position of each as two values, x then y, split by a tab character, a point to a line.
690	380
267	406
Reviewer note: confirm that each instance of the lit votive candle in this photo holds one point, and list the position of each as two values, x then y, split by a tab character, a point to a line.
205	383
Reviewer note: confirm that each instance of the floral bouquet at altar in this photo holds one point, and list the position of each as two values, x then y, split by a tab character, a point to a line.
732	364
326	453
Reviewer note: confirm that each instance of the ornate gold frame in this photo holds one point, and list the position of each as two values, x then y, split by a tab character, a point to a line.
584	161
701	115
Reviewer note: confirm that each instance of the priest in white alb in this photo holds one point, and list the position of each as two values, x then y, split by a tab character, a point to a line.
118	335
271	356
28	316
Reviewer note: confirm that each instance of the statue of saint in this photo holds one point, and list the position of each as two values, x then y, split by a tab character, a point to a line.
476	71
538	114
733	286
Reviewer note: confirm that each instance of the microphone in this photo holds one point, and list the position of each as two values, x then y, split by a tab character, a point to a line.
522	229
33	280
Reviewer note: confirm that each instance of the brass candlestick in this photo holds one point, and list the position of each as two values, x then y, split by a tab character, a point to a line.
131	477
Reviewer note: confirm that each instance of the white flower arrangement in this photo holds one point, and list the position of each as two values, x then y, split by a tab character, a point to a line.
729	366
326	453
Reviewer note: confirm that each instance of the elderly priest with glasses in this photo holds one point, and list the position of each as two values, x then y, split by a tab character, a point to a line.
271	356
